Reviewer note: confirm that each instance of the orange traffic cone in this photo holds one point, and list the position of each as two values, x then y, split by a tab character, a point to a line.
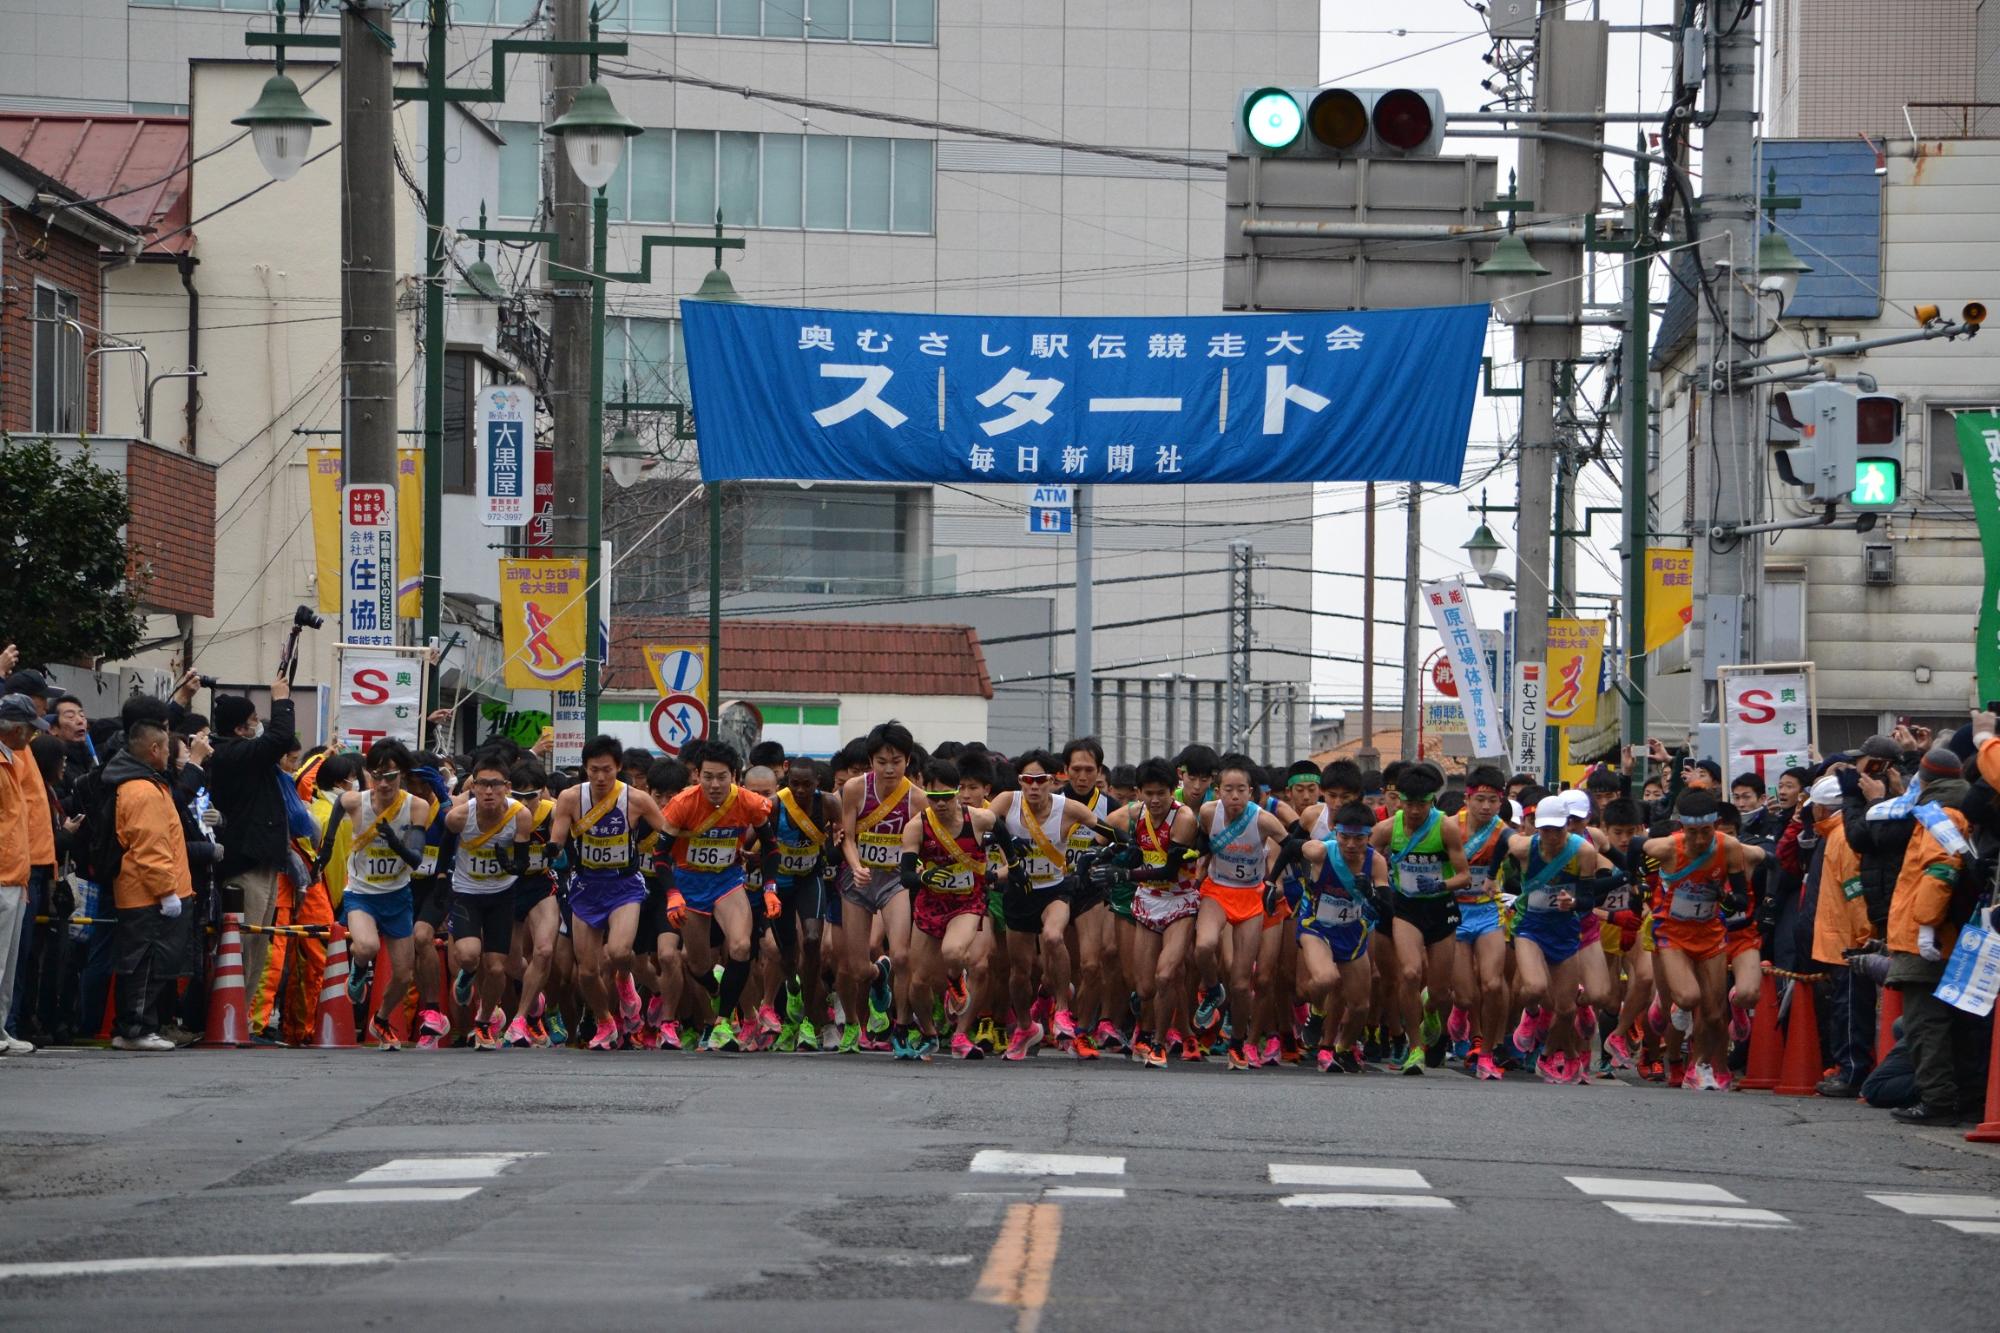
1888	1008
1766	1042
1989	1128
228	1003
1801	1073
335	1028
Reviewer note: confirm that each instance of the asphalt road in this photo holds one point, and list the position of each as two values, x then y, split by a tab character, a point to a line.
548	1188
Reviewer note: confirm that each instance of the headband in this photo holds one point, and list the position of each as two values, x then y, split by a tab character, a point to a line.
1690	821
1297	778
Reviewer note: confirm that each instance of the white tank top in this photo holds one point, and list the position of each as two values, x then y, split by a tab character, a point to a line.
375	867
1322	823
1238	863
489	867
1042	872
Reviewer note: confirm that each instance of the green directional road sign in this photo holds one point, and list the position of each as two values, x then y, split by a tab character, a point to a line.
1877	482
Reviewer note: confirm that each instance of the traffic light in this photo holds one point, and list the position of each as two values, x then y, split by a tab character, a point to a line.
1850	444
1340	122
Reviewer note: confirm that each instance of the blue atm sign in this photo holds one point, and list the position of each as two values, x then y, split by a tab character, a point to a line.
1049	510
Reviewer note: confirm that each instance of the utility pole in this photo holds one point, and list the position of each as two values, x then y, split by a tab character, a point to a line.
1569	77
1084	705
1724	603
1367	756
570	391
1411	741
1637	429
1239	645
435	248
368	244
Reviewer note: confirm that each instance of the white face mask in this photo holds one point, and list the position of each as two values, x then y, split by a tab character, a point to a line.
256	731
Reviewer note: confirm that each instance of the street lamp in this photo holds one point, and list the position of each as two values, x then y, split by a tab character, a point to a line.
479	297
1482	549
281	126
625	456
593	134
1778	268
1513	274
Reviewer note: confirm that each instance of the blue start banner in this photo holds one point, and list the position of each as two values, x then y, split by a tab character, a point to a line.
859	395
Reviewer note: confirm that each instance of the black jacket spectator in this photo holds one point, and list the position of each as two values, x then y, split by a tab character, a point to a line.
243	780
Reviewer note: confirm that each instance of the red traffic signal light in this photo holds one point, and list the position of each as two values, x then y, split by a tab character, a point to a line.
1403	119
1878	419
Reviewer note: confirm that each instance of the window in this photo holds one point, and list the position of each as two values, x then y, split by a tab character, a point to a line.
826	182
520	169
253	6
58	371
1944	467
1781	617
830	539
460	383
645	361
902	22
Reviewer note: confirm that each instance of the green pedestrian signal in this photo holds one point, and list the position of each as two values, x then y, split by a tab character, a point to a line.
1877	482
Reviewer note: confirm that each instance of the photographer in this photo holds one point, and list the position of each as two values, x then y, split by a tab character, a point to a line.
244	774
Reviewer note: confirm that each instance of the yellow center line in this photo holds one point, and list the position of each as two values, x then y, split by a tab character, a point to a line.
1021	1261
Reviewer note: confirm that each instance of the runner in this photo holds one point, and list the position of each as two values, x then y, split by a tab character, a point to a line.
713	825
666	779
1624	910
603	817
492	830
1480	1016
537	917
805	825
430	904
876	806
1698	866
1552	865
1420	843
1036	901
1278	948
1164	895
944	866
987	984
387	845
1234	897
1349	878
1092	925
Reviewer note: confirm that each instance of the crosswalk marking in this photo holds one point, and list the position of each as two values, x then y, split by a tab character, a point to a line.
1083	1192
1690	1214
1682	1191
1358	1200
409	1169
1972	1228
995	1162
393	1194
1370	1177
1942	1205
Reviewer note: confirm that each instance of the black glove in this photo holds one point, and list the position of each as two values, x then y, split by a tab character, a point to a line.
1273	896
1108	875
939	879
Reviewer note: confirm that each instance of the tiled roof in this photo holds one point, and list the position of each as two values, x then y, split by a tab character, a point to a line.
1837	229
103	155
814	656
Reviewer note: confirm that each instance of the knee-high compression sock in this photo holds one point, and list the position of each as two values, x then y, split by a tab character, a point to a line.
735	974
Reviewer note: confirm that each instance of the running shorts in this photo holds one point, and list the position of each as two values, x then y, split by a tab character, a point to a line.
430	901
530	892
593	901
933	911
393	912
1699	940
1238	905
1435	918
1558	941
486	917
1740	942
874	889
1156	907
1477	919
1120	899
1347	942
1022	911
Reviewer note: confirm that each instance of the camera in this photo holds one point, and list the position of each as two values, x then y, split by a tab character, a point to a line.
207	682
307	618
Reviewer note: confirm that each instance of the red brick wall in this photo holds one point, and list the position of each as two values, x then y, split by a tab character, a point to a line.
29	250
170	543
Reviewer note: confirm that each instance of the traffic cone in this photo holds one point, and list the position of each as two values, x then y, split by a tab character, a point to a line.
1766	1042
228	1003
1989	1128
1888	1008
335	1029
1802	1071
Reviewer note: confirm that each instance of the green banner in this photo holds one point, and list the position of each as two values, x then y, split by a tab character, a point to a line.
1979	446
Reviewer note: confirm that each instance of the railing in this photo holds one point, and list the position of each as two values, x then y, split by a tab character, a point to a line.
1951	120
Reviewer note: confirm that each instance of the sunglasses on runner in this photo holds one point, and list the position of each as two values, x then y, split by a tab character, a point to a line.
948	795
1034	779
489	784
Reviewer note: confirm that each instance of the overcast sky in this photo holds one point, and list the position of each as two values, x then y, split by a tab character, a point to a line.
1440	44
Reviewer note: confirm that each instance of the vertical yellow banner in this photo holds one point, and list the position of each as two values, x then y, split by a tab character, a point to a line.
541	623
1669	594
323	492
1576	664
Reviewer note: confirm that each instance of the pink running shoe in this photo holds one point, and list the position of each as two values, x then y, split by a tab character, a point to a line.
1723	1077
1272	1050
1109	1038
1252	1059
605	1038
1698	1078
1325	1060
1739	1023
1458	1026
629	1007
1527	1034
767	1019
1656	1018
1586	1019
1042	1011
670	1036
518	1034
1064	1028
1619	1048
1486	1068
431	1027
656	1011
870	1042
1024	1042
1553	1067
963	1049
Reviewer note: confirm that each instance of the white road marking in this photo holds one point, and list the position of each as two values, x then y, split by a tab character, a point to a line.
1364	1201
1688	1214
1370	1177
1941	1205
1685	1191
995	1162
178	1263
405	1170
1971	1228
393	1194
1082	1192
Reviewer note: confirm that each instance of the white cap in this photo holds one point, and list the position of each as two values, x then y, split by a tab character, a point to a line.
1515	814
1826	791
1577	801
1552	812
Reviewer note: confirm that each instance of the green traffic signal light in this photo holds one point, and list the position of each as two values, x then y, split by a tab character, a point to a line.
1877	482
1273	118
